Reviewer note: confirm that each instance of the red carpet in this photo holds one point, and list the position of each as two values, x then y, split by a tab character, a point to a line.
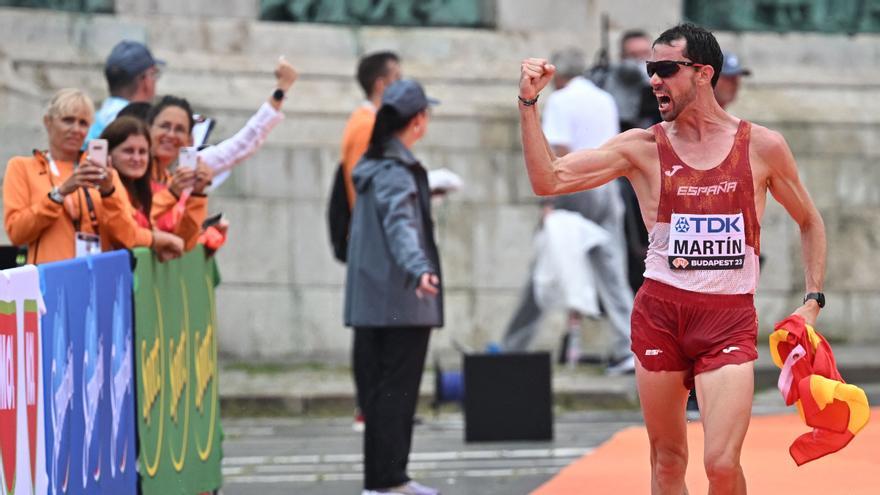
620	466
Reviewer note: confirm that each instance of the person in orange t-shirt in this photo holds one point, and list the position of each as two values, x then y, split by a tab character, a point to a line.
128	143
51	197
375	72
171	121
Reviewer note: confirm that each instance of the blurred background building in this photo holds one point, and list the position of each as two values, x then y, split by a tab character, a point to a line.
815	69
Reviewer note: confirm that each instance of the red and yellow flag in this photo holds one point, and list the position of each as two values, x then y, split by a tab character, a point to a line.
810	380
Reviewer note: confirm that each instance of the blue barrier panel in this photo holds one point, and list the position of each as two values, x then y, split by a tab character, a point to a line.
114	291
64	308
87	356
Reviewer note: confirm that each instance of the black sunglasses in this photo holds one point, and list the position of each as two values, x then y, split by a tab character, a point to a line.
667	68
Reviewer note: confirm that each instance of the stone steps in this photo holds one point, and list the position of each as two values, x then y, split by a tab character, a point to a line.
281	297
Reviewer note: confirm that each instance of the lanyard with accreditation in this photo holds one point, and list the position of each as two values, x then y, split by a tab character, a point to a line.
85	243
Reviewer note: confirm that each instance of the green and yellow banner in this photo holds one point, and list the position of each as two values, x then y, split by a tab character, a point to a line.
178	407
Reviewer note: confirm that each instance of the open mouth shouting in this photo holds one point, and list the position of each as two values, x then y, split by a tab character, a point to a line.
664	102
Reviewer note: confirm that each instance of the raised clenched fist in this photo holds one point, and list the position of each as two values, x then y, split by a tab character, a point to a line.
535	73
285	74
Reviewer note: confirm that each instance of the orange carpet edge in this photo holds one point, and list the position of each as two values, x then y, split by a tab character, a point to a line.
620	466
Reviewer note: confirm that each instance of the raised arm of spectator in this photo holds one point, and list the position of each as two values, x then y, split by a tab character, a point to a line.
248	140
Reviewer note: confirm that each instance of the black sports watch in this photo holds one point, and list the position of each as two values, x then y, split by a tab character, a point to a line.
816	296
278	95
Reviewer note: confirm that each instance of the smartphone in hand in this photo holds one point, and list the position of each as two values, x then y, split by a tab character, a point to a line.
97	151
188	158
211	221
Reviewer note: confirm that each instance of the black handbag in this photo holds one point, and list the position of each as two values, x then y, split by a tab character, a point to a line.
339	216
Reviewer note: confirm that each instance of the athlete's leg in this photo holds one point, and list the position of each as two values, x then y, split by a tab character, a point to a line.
663	397
725	396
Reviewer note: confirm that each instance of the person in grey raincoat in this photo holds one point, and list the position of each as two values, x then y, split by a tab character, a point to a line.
393	296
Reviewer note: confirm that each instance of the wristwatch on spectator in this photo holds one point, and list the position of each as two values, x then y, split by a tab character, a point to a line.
278	95
56	196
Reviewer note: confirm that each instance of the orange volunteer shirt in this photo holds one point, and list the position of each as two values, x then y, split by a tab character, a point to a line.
355	140
46	227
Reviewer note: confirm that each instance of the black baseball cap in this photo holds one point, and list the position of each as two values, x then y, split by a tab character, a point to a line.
129	59
407	97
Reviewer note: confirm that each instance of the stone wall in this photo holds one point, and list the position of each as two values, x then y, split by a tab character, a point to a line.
281	292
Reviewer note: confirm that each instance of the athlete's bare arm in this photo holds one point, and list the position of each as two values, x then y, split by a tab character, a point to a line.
786	187
585	169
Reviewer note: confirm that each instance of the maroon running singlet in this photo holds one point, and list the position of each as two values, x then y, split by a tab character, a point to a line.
695	310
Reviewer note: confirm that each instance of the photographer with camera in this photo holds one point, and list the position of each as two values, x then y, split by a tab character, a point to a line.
628	82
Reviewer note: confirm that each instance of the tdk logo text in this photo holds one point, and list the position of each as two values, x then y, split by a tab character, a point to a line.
708	225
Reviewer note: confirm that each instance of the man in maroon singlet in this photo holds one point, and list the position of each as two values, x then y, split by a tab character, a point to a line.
702	178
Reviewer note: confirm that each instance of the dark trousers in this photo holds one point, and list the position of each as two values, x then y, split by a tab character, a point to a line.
388	366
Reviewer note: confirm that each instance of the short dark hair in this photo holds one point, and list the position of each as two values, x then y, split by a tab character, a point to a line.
137	109
172	101
630	34
139	191
120	83
372	67
700	45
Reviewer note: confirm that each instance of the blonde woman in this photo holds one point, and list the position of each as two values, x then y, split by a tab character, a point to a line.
60	203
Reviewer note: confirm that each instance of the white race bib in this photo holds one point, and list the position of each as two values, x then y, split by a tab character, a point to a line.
707	242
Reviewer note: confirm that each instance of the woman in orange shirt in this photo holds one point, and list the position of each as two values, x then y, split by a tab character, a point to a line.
54	200
128	142
171	122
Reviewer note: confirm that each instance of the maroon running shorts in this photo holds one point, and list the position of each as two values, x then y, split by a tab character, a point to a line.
679	330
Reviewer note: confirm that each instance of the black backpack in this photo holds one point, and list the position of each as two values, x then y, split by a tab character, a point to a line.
339	216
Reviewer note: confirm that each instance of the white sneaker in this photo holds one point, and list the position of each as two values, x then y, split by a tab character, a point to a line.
410	488
625	366
420	489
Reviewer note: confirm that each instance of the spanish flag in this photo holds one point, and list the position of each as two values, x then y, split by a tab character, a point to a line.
809	379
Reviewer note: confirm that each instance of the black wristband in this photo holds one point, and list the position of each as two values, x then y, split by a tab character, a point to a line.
526	102
816	296
278	95
109	193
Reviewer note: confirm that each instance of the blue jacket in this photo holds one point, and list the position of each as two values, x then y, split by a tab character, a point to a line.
391	244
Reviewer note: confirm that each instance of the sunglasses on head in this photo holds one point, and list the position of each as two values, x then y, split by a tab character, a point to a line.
667	68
